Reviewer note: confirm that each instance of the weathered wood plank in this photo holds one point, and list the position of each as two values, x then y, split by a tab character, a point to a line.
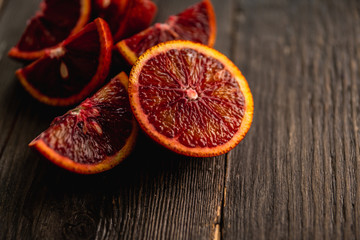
154	194
11	94
296	175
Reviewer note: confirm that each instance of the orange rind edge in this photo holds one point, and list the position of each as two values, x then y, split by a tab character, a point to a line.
84	16
171	143
126	52
101	72
15	53
106	164
131	57
212	23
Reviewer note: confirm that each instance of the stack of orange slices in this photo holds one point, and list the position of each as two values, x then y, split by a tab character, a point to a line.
184	94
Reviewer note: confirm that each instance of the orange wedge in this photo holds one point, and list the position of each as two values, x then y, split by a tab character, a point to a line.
197	23
70	72
55	21
95	136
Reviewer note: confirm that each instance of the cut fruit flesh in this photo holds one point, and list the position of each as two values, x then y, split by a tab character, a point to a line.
126	17
139	15
67	74
95	136
190	98
57	20
112	11
196	23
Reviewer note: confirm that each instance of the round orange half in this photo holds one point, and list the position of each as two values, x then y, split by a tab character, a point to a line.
190	98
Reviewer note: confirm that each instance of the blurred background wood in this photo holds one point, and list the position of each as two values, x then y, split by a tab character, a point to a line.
295	176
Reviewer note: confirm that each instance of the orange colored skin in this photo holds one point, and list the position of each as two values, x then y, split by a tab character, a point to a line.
173	144
83	19
131	57
97	80
212	23
102	166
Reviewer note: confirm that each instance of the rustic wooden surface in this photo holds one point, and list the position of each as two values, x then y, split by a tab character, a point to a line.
295	176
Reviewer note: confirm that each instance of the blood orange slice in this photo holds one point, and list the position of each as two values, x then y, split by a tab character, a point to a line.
197	23
69	73
126	17
139	15
190	98
56	20
95	136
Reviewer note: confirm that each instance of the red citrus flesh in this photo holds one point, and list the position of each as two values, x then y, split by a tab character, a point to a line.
190	98
95	136
139	15
196	23
69	73
126	17
56	20
112	11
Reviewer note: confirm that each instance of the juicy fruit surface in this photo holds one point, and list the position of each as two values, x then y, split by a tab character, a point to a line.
139	15
55	22
112	11
196	23
73	70
200	104
92	132
126	17
47	75
104	125
189	100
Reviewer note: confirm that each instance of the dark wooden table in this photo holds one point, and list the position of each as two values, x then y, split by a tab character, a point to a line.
295	176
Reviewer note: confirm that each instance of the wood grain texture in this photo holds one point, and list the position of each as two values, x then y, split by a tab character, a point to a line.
297	174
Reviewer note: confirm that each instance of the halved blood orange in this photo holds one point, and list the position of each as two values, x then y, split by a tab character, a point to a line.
126	17
197	23
56	20
95	136
67	74
190	98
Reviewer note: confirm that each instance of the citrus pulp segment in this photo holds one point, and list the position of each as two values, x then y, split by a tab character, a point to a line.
56	20
139	15
197	23
126	17
95	136
69	73
112	11
190	98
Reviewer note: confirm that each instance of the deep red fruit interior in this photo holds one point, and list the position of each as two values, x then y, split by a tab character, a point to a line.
113	11
183	23
191	97
97	128
152	36
180	26
139	15
125	17
51	26
65	71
